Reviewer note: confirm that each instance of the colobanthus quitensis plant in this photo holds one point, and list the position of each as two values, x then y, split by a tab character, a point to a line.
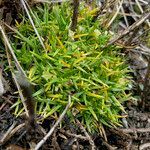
72	63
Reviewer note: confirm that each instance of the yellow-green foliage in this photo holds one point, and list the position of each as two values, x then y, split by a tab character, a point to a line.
75	64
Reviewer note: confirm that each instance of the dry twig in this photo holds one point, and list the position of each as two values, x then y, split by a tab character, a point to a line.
74	135
144	146
139	130
93	147
11	131
5	136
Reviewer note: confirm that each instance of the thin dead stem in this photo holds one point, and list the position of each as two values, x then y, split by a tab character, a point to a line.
11	50
32	22
133	130
144	146
50	1
5	136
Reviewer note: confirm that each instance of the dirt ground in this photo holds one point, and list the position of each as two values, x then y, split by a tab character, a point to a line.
133	135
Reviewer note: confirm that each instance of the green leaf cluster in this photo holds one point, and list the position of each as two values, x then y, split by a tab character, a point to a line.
75	64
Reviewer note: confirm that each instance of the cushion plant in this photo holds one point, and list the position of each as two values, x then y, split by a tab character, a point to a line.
73	63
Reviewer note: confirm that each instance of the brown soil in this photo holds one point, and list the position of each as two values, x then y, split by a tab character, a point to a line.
134	135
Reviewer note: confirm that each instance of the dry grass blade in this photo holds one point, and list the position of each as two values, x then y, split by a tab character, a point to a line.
144	49
142	34
100	11
50	1
26	9
55	125
144	2
125	17
1	83
30	10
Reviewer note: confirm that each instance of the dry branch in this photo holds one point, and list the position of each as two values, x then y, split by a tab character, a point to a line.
93	147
